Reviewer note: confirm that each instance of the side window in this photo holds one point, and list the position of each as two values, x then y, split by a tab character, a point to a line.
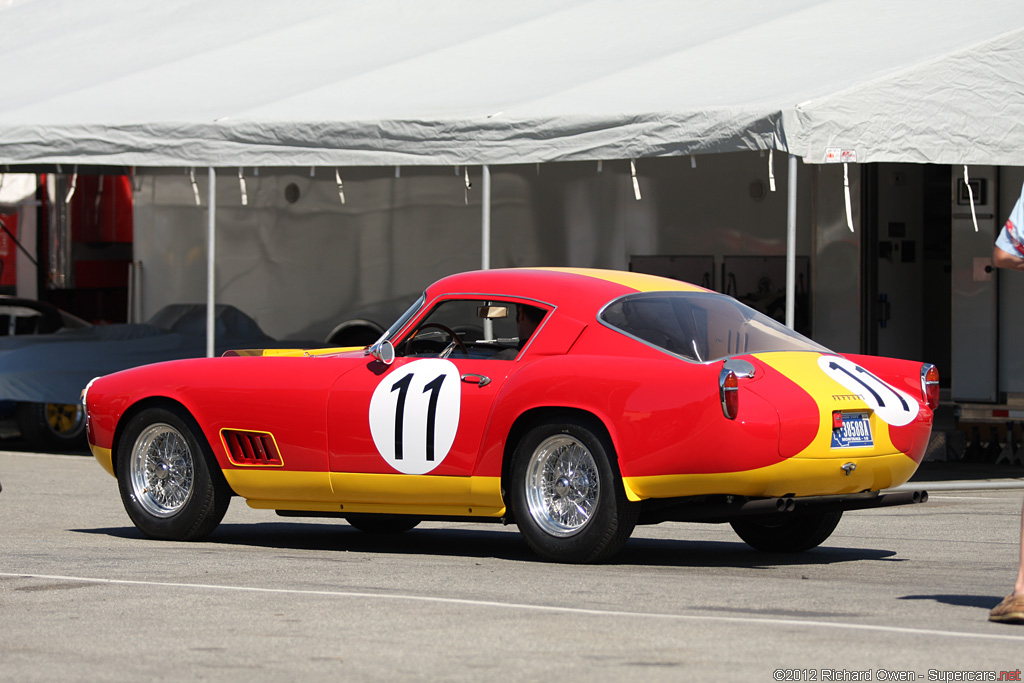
472	328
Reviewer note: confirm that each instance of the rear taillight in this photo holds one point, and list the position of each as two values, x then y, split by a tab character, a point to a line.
728	390
930	385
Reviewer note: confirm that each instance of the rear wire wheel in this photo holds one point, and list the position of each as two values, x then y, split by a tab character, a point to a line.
567	495
788	533
170	483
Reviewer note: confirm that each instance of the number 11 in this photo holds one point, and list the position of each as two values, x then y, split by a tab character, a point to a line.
402	386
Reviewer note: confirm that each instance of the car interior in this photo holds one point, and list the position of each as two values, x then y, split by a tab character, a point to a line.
470	328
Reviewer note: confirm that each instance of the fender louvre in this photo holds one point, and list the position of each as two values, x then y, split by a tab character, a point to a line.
251	449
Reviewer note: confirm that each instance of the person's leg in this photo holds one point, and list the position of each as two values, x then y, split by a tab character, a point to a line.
1011	609
1018	588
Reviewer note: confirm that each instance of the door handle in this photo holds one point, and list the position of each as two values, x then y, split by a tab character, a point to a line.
473	378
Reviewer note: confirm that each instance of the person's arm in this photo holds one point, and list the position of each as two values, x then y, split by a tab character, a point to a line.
1002	259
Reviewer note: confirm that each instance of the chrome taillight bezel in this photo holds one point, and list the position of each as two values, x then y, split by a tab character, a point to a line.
728	392
930	387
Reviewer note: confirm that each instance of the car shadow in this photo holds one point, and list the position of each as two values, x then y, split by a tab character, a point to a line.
981	601
17	444
506	543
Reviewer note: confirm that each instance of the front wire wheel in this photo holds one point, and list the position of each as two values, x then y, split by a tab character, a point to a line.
162	470
170	483
568	497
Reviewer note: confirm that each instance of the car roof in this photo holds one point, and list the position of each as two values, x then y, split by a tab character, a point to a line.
581	290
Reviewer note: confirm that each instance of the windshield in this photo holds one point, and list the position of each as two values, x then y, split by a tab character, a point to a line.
701	326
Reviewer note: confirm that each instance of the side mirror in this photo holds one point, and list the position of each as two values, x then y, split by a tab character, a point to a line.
384	351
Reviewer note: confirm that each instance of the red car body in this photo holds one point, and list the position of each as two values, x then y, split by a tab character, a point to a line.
437	432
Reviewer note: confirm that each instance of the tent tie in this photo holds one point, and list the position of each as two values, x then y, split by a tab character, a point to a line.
970	194
636	183
195	185
341	186
469	185
241	187
771	169
74	185
846	191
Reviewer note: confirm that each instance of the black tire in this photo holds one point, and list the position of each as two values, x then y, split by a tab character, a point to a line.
52	426
567	495
382	524
164	474
788	534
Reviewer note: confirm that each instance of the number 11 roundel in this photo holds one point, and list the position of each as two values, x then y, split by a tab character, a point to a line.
414	414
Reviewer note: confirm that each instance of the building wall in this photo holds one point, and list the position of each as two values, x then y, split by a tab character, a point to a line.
300	267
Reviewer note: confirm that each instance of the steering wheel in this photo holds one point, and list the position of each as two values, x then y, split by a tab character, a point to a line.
447	330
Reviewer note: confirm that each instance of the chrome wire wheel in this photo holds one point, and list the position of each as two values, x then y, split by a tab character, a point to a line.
162	470
562	485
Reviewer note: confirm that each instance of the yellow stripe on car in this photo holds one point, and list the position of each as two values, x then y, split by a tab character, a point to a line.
641	282
802	368
104	457
363	492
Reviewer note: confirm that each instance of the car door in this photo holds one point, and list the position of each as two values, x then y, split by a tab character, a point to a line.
426	413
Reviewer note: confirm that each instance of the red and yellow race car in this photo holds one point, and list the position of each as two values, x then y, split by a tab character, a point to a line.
576	403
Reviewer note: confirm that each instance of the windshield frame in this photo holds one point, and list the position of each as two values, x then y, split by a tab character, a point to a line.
403	320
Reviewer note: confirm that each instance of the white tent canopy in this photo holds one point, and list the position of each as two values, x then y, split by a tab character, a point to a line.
228	83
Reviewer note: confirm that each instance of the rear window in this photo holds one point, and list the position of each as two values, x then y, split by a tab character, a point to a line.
701	326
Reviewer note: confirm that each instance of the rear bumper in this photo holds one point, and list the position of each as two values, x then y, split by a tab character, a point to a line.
791	477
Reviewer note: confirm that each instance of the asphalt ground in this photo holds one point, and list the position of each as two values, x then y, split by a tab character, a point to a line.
894	592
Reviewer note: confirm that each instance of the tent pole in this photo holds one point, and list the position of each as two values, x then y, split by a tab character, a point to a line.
485	237
211	246
791	245
485	221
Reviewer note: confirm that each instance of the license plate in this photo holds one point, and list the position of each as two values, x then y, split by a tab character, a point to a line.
855	432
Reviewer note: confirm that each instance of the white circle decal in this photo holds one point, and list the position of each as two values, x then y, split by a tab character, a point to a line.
414	414
888	402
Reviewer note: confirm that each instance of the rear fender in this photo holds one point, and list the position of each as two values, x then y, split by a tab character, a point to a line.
661	417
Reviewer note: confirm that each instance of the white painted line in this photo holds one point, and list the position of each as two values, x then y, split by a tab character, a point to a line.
539	608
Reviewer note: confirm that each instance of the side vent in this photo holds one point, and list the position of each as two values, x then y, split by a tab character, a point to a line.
251	448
